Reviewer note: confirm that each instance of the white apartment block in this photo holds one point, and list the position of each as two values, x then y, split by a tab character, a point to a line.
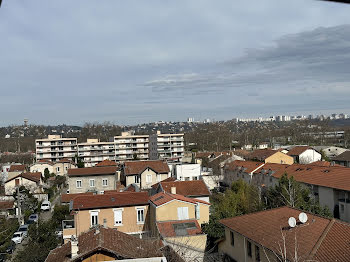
93	151
54	147
129	145
170	145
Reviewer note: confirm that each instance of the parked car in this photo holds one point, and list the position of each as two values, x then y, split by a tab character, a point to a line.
45	206
17	237
10	248
33	218
24	229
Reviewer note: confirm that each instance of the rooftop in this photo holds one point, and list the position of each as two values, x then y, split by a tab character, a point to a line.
163	197
186	188
137	167
179	228
297	150
91	171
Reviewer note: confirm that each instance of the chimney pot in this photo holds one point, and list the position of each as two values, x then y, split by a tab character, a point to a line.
173	190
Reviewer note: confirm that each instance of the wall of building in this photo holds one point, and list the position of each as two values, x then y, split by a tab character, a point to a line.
10	187
188	172
82	219
326	197
155	178
169	211
41	168
280	158
309	156
72	182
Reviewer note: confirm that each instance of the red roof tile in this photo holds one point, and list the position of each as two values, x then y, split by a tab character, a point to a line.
167	228
66	198
247	166
92	171
297	150
107	163
261	154
117	199
164	197
5	205
137	167
35	177
195	188
17	168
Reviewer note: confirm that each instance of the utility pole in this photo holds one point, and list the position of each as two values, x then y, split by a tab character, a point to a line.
19	215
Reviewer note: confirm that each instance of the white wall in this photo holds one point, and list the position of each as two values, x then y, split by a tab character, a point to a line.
309	156
188	171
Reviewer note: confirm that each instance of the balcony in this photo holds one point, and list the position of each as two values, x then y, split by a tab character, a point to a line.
68	228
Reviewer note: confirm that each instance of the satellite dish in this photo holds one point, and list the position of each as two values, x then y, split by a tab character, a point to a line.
292	222
302	217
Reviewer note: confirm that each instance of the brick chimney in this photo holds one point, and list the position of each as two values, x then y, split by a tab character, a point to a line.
173	190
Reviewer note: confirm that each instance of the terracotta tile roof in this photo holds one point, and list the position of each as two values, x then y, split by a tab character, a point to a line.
92	171
117	199
324	163
137	167
132	188
107	163
66	198
265	228
17	168
195	188
247	166
297	150
112	241
35	177
65	160
179	228
43	161
163	197
261	154
5	205
277	170
345	156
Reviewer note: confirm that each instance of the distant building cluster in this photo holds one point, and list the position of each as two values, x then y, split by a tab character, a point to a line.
285	118
127	146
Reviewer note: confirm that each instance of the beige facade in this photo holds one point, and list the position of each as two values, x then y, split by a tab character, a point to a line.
13	174
93	151
83	221
128	144
54	147
10	186
170	145
82	184
280	158
58	168
146	179
239	251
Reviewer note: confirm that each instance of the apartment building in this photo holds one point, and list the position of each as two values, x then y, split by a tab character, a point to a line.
55	147
129	146
170	145
93	151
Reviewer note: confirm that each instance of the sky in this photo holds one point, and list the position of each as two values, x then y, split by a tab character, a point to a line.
132	62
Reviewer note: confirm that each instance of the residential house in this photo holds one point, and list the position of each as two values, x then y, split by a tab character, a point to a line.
267	236
177	221
97	179
15	170
107	244
32	181
58	168
125	211
270	156
145	173
193	189
330	151
304	154
6	207
65	199
240	170
343	159
186	172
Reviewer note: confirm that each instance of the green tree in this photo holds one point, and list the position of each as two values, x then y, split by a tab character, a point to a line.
46	174
79	162
60	213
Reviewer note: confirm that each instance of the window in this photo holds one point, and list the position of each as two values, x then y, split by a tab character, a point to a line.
140	215
137	179
232	238
182	213
158	178
195	178
249	249
197	211
94	218
257	254
105	182
57	169
92	182
118	217
149	179
78	183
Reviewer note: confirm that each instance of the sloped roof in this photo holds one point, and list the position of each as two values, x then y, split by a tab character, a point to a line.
43	161
65	160
116	199
261	154
17	168
247	166
137	167
324	163
345	156
92	171
187	188
35	177
5	205
66	198
164	197
265	227
107	239
169	228
107	163
297	150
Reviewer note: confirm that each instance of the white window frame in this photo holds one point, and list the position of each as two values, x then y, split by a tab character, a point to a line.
92	180
81	184
103	181
148	179
182	213
143	215
159	177
197	211
94	213
115	211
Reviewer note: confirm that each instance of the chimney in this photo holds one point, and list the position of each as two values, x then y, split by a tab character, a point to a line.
173	190
74	247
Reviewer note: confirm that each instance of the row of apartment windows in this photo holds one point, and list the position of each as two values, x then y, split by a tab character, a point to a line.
79	183
249	247
118	216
